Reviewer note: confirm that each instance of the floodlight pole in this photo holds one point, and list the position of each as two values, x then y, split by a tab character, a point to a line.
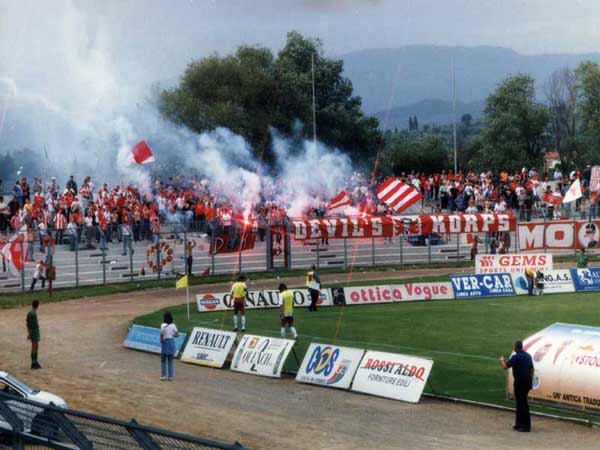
454	115
314	108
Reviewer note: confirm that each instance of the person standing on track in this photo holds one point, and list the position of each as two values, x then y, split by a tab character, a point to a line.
239	293
286	310
189	258
33	334
168	333
522	368
313	283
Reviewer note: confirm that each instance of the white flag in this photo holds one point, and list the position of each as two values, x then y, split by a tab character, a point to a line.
573	193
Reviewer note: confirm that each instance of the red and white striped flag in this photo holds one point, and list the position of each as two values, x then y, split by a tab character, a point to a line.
397	195
15	252
141	153
339	202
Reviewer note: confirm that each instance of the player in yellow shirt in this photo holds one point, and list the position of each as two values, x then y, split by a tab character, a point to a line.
239	293
286	310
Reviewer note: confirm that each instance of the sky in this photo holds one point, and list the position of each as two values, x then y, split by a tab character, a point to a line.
144	41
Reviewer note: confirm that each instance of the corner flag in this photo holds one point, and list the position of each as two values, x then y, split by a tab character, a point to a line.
182	283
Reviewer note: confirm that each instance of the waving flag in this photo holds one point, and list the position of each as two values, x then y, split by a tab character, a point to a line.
573	193
339	202
15	252
142	153
397	195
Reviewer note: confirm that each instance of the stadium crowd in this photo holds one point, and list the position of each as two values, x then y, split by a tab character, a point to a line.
124	213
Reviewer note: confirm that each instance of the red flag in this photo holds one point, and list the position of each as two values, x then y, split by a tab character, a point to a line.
142	153
339	202
397	195
15	252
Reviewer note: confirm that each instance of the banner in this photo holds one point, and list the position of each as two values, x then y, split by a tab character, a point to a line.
560	235
260	355
208	347
148	339
259	299
389	226
555	282
586	279
567	365
230	244
595	179
512	263
329	365
392	375
398	293
482	285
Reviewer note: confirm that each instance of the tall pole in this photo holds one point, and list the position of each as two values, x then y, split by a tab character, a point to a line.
312	65
454	115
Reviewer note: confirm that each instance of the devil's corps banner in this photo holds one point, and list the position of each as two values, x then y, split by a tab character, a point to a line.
389	226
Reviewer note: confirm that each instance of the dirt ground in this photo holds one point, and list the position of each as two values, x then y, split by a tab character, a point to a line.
85	362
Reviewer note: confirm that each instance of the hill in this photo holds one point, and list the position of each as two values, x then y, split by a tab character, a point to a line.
403	76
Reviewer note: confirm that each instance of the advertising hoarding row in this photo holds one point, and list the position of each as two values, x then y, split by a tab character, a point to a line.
258	299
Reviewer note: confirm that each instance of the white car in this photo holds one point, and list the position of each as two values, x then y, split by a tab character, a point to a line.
25	411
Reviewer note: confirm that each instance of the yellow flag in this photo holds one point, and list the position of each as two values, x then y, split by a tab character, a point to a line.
182	283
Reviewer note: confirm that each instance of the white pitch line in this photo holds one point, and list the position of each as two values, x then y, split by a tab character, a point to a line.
102	365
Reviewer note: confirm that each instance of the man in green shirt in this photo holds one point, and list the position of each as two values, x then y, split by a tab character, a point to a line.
33	333
582	259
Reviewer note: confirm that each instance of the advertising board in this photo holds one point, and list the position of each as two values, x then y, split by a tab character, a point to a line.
392	375
329	365
482	285
513	263
148	339
555	282
258	299
566	359
261	355
586	279
208	347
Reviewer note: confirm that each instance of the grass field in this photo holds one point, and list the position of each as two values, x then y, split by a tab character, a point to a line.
463	337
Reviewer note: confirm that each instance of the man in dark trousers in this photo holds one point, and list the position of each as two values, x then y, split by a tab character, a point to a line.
313	283
522	367
33	334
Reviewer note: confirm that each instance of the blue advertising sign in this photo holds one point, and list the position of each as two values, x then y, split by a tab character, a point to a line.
482	285
148	339
586	279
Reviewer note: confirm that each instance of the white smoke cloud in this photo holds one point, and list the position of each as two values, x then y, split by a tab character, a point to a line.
85	113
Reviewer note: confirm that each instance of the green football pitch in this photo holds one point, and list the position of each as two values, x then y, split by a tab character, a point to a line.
463	337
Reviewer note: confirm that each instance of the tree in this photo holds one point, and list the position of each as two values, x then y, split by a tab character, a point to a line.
561	93
404	153
466	120
588	109
515	124
252	91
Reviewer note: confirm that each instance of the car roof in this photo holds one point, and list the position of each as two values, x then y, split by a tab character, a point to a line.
3	374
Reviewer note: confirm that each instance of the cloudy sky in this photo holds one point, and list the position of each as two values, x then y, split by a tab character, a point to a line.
149	40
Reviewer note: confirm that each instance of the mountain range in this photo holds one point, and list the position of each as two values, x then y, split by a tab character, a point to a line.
395	81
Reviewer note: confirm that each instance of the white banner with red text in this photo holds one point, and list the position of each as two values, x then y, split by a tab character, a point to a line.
390	226
434	290
513	263
261	355
392	375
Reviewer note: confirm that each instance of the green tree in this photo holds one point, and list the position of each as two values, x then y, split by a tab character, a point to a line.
404	153
515	124
588	111
252	91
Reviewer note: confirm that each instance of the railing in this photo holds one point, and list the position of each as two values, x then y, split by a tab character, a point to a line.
91	257
26	424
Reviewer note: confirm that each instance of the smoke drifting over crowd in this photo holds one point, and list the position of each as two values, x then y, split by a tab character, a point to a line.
73	102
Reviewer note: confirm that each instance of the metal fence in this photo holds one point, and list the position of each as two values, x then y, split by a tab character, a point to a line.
89	258
29	425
